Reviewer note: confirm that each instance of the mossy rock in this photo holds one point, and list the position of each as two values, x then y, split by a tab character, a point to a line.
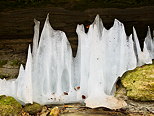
9	106
139	83
32	108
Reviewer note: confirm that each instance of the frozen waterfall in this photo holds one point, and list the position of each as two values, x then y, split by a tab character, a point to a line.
52	75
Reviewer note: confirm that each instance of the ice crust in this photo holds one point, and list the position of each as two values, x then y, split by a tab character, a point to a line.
52	75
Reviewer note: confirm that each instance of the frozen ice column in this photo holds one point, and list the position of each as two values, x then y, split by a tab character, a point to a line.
52	73
96	57
149	41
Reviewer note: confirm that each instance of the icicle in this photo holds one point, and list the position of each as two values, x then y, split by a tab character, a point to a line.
99	25
81	63
146	58
138	51
142	57
103	71
20	82
36	37
132	61
150	43
24	92
54	64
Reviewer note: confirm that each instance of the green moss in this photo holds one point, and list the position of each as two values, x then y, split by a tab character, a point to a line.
139	83
7	76
3	76
32	108
9	106
3	62
15	63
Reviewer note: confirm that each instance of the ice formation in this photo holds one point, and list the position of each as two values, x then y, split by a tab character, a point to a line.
52	75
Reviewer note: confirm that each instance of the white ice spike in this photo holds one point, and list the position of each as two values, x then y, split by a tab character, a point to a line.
149	41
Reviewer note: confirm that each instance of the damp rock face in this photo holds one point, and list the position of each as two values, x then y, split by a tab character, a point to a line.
139	83
9	106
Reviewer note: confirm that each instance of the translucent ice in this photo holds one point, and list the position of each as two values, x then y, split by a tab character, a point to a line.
52	75
150	43
142	57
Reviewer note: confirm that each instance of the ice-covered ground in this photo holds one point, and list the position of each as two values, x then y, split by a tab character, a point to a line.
52	75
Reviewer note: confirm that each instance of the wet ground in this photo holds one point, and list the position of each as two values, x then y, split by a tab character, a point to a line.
81	110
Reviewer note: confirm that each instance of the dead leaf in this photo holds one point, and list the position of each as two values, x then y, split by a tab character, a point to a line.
55	111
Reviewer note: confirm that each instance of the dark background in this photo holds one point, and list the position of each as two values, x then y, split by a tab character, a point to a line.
16	19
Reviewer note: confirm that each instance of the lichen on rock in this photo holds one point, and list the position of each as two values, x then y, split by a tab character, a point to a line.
9	106
139	83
